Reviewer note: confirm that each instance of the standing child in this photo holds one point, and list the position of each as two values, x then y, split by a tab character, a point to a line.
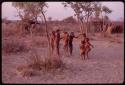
71	37
57	41
88	46
65	39
82	49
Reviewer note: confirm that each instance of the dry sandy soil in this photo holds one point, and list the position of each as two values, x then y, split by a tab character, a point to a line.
105	65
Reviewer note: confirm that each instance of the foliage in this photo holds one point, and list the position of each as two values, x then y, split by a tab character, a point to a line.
84	10
30	10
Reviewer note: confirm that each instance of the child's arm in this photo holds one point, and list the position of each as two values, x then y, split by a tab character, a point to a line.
76	37
91	45
61	38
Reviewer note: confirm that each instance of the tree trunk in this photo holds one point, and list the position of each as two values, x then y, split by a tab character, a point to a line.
80	22
102	29
81	25
87	25
47	32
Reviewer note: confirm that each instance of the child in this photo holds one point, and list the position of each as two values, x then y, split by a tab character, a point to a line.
82	49
57	41
65	39
71	37
88	46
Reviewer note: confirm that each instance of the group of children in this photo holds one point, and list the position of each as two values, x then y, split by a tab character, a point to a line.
85	47
55	37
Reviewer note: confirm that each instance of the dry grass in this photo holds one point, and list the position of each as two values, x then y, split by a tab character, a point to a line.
40	41
116	40
14	46
39	30
52	63
48	65
10	30
24	71
36	62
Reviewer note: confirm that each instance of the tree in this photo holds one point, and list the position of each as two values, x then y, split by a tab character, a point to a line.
83	11
106	18
99	9
76	8
106	11
31	11
27	13
88	9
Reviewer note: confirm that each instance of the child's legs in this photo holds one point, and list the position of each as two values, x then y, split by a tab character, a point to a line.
57	49
65	49
87	53
70	48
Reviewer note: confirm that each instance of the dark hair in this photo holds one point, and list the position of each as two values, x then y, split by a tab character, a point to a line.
87	39
84	34
53	32
57	30
83	42
64	32
72	33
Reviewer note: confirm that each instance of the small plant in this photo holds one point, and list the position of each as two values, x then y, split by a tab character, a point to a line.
52	63
36	62
24	71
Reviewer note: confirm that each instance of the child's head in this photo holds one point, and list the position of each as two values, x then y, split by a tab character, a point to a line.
84	34
72	33
58	30
82	42
87	39
53	32
63	31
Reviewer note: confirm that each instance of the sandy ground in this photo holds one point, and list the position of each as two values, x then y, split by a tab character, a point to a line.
106	65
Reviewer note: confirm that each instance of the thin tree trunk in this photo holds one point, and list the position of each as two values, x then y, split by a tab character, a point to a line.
31	37
87	25
81	25
80	22
102	29
47	32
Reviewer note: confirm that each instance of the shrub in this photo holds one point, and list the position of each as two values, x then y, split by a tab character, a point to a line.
52	63
36	62
10	30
